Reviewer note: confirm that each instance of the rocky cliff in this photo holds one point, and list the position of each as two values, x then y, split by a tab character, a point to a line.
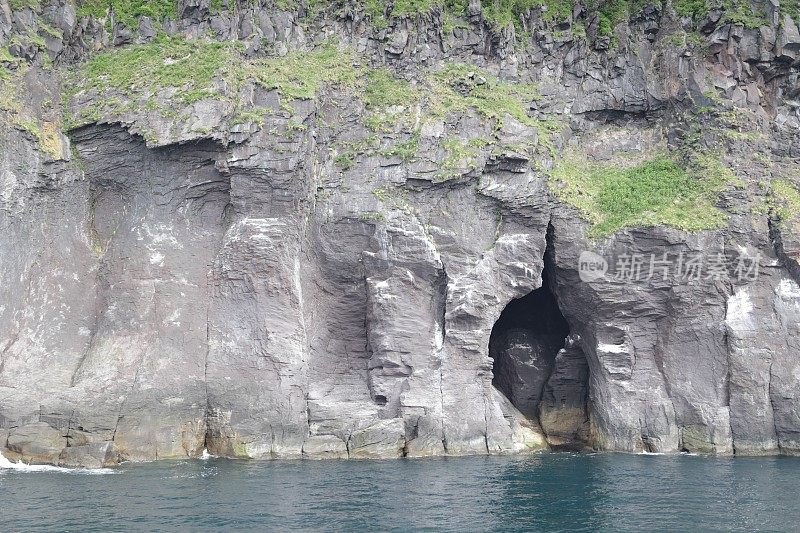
325	229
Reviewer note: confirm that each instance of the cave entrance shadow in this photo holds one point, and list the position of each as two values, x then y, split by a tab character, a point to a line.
523	345
538	364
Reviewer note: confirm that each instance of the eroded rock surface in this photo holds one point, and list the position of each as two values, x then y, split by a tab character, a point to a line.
293	284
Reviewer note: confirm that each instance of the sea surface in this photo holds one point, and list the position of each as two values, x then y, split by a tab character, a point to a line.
548	492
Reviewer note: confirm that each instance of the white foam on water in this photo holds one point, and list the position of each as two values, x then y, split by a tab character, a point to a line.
206	456
19	466
650	453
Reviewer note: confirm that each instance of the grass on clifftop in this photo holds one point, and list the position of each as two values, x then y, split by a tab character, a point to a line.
166	62
186	71
170	74
459	87
784	200
128	11
502	13
655	192
193	66
734	11
389	100
301	75
383	90
127	78
498	13
17	5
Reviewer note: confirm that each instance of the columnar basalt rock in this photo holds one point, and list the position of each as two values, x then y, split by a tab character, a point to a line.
268	263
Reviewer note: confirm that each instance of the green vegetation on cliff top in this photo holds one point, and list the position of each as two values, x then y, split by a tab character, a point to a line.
188	71
127	77
202	68
193	70
167	62
499	13
129	11
458	87
383	90
16	5
301	75
734	11
660	191
171	73
784	201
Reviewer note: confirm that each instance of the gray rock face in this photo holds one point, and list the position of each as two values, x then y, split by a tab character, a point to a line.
175	283
522	364
563	409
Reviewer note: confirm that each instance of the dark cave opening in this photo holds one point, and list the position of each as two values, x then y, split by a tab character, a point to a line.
539	364
524	343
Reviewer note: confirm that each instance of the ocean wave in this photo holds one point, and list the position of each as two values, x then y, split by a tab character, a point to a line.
19	466
206	456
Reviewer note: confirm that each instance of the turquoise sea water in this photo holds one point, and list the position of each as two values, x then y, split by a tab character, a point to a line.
559	491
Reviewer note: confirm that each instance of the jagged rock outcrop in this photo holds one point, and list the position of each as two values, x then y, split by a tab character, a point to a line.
239	265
